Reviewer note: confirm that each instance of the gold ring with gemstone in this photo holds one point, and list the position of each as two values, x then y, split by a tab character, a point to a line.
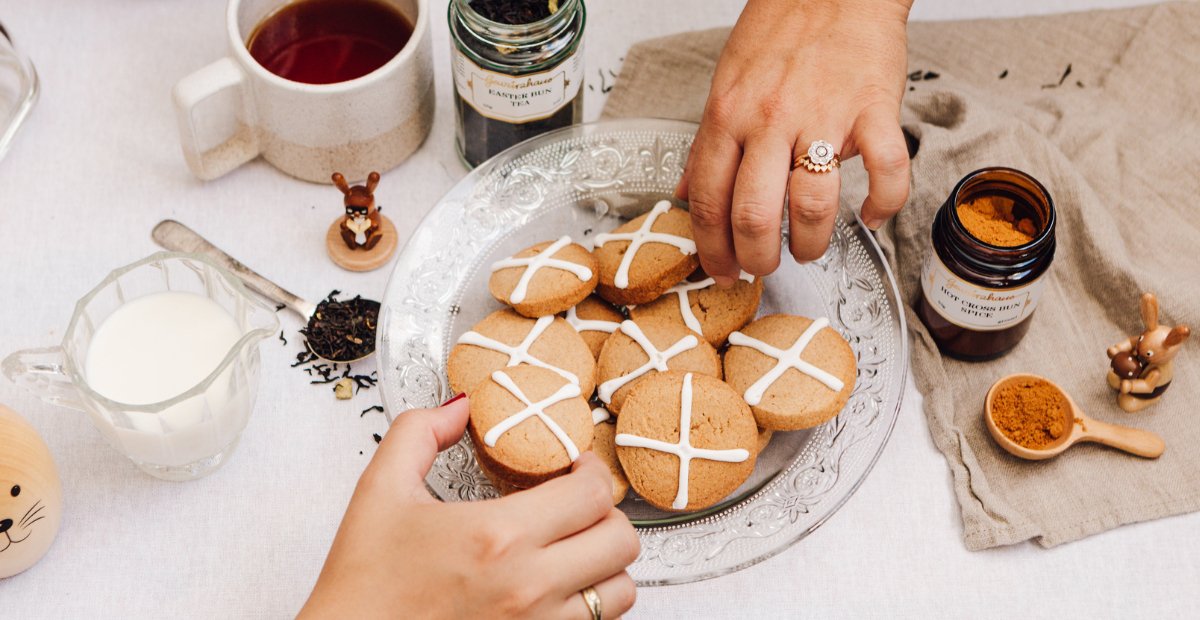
819	158
591	598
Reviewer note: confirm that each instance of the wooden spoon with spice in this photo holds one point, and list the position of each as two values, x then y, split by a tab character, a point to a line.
337	331
1033	418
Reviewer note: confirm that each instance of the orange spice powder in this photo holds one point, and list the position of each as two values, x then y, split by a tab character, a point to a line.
1031	412
990	219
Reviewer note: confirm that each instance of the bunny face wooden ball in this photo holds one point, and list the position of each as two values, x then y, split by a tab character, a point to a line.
30	495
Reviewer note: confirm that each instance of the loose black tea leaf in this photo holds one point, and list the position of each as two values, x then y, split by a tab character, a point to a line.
911	88
1060	80
1078	83
304	357
915	76
361	381
279	307
377	437
343	330
282	339
1004	74
513	12
378	408
930	75
1064	75
604	87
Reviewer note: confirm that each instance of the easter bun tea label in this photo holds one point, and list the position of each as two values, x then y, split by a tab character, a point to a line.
518	98
976	307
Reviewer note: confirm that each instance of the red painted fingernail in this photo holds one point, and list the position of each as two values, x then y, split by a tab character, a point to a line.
456	397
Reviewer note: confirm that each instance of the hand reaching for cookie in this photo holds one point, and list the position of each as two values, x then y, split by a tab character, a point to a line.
793	73
399	552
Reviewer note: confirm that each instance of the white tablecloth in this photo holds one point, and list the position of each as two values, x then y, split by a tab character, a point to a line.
99	164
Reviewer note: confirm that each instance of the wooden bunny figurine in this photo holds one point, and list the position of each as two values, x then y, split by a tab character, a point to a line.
1141	366
362	238
361	227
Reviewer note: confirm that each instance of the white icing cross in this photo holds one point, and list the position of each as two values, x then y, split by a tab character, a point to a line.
684	448
590	325
642	236
538	409
786	359
545	258
658	359
520	353
600	414
685	308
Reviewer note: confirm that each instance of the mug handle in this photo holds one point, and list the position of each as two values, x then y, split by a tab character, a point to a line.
41	371
236	149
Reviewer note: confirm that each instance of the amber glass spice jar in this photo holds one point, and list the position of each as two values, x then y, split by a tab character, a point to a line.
513	81
993	241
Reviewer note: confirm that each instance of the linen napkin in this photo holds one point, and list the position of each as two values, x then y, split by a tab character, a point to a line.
1104	108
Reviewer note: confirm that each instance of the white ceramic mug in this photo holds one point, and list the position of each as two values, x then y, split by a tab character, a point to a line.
309	131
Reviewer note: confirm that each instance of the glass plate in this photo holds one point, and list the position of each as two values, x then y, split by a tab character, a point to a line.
580	181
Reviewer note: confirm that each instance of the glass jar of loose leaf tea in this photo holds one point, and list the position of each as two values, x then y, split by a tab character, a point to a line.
518	71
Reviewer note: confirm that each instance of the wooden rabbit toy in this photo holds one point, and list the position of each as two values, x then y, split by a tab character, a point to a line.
367	238
1141	366
361	226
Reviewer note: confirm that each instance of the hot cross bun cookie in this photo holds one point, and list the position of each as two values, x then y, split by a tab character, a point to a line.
645	256
529	425
706	308
544	279
602	444
793	371
505	338
594	319
686	441
639	349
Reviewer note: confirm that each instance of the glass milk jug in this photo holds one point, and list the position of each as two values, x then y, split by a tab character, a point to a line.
183	437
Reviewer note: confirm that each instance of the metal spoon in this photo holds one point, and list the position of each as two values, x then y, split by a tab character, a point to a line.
1083	428
179	238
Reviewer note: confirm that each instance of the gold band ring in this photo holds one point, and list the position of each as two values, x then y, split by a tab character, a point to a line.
591	598
819	158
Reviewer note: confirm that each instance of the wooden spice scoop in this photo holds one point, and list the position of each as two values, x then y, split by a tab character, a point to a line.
1083	428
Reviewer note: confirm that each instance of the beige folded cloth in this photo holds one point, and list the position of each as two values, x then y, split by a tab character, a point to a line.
1117	142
